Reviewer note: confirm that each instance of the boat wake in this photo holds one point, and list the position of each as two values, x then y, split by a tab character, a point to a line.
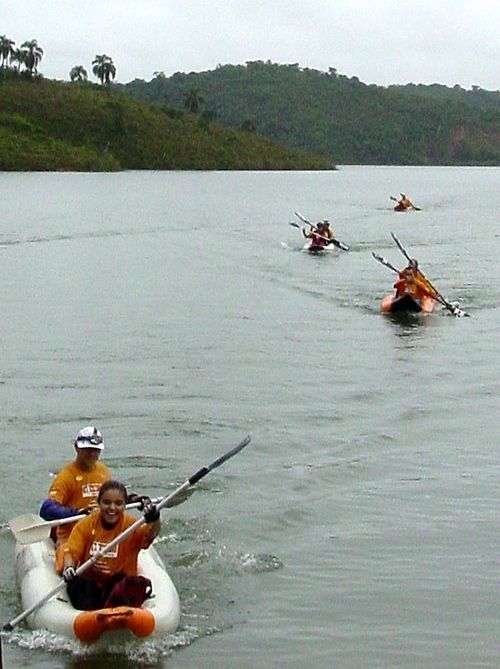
204	610
133	653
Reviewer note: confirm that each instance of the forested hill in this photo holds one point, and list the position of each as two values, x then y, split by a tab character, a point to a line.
50	125
343	118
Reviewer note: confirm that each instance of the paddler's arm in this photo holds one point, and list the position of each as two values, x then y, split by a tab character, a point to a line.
152	518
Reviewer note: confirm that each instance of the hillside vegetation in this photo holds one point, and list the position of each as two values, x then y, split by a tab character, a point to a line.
50	125
341	117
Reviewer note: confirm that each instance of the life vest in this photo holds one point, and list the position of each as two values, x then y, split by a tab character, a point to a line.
418	288
317	240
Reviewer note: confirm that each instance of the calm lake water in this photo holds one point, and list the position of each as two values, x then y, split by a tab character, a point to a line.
178	312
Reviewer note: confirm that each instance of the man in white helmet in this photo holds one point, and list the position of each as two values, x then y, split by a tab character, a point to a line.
75	488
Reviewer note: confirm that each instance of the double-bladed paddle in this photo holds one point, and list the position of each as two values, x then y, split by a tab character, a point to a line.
385	262
452	308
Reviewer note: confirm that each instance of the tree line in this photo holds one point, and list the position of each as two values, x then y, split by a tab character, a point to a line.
57	125
331	114
30	54
323	113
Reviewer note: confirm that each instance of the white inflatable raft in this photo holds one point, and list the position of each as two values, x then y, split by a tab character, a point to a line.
36	577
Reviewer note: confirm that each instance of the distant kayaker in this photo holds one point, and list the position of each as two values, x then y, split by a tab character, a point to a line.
319	234
404	202
411	281
326	230
114	574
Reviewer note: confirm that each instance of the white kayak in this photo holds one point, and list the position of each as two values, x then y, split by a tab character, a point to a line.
314	248
36	577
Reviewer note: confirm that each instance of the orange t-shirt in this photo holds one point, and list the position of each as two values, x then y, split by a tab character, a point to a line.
77	488
88	536
416	287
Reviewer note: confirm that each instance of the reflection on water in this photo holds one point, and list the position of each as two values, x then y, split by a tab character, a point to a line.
409	325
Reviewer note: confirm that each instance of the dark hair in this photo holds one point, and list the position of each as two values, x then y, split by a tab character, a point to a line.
112	485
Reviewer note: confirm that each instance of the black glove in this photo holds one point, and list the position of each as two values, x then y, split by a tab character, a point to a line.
69	574
142	500
151	513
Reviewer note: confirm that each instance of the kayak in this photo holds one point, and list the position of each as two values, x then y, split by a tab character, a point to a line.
36	576
403	207
316	249
407	304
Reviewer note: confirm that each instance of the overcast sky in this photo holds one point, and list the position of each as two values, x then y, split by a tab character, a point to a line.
379	41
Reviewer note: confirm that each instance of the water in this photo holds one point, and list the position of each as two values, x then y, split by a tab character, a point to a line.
177	312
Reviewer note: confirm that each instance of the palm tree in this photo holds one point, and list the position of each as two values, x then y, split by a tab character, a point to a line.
32	54
6	49
17	56
78	73
104	69
193	100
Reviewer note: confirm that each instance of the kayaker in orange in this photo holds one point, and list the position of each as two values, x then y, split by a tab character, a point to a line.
91	534
404	202
411	281
75	488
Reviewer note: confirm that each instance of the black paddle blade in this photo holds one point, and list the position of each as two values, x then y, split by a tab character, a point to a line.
229	454
340	245
218	462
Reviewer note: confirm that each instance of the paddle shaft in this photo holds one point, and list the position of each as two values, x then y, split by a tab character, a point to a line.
165	502
37	531
385	262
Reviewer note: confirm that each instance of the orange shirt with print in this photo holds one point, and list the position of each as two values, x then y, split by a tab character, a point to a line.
88	536
76	488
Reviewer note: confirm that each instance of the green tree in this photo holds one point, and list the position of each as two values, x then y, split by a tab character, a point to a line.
17	59
193	100
32	55
104	69
78	73
6	49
